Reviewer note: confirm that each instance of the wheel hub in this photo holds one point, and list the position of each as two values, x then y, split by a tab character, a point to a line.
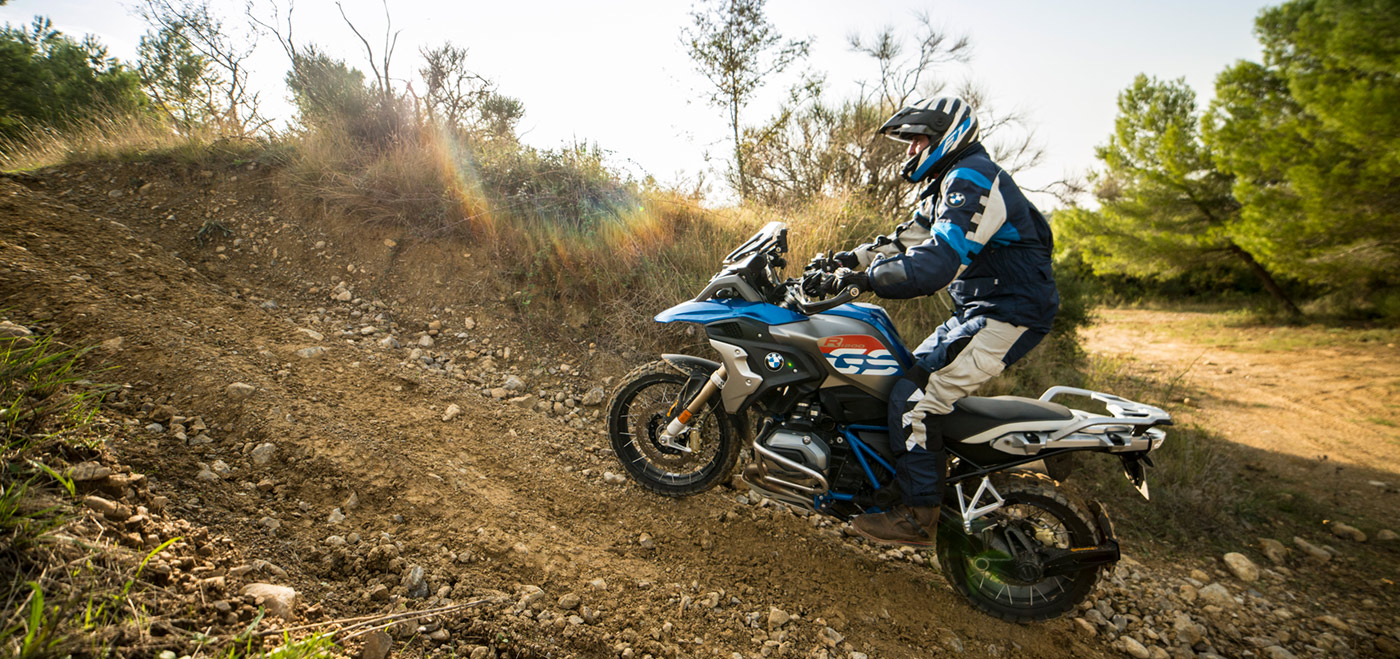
655	427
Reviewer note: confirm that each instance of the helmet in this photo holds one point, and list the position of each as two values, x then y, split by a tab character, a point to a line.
948	122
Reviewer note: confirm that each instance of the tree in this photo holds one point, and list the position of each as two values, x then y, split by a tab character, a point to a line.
49	80
737	49
1312	136
225	50
817	146
1165	208
180	82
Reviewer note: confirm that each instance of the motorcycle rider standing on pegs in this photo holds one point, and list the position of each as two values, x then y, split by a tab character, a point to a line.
974	232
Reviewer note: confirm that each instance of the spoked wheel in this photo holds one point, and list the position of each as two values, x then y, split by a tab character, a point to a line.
1001	569
650	398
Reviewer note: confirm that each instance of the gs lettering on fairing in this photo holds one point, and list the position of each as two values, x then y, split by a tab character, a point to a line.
859	354
817	376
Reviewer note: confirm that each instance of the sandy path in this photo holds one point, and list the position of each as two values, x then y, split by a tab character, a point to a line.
1303	401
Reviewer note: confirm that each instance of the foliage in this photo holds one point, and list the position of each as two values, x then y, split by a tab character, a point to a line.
815	146
1165	208
180	82
1312	136
737	50
212	54
463	101
48	80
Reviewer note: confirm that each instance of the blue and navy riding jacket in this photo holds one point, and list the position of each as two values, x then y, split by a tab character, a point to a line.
974	232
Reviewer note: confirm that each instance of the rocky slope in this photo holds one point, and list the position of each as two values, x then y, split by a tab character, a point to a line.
372	420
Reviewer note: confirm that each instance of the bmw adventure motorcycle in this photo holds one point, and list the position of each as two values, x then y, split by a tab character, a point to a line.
814	377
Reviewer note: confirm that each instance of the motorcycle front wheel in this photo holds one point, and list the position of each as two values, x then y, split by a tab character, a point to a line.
1037	514
648	399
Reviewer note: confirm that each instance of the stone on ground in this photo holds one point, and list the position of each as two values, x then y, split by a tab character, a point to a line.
280	601
1240	566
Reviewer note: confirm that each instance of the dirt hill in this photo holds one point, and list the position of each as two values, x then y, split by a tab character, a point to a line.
409	441
379	422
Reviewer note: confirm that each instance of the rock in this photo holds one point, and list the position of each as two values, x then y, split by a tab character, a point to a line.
616	479
1218	595
1186	629
155	429
598	584
343	295
312	334
1347	532
425	341
1132	647
239	391
221	468
777	618
311	353
1085	627
439	636
523	402
1243	568
414	583
452	412
162	413
21	335
280	601
378	593
570	601
352	502
207	476
645	541
101	506
263	453
377	645
389	343
1385	535
499	393
513	383
1277	652
1334	622
1312	551
1273	550
84	472
469	323
335	517
270	523
594	397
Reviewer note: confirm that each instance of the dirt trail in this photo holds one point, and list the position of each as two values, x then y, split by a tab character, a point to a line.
1316	403
499	500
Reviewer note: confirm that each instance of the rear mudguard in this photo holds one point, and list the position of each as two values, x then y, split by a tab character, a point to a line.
699	370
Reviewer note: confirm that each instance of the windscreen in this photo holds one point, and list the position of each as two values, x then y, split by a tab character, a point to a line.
772	234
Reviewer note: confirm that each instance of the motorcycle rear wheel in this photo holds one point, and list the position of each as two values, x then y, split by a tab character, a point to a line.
648	399
1037	508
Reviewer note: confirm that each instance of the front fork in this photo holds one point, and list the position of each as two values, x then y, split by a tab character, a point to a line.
681	423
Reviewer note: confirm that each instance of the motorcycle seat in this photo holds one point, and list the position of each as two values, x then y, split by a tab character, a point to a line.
974	415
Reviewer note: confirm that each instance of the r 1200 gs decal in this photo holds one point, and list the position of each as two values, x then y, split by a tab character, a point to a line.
859	354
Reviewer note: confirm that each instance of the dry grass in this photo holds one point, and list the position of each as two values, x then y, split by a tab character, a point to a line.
105	138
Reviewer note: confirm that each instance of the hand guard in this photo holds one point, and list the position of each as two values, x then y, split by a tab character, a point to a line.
846	278
814	282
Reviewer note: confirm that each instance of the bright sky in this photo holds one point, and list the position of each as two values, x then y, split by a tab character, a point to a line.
615	72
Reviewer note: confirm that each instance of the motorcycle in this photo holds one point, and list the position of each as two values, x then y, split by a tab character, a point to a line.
816	377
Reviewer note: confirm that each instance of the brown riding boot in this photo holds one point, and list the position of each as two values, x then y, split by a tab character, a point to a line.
902	525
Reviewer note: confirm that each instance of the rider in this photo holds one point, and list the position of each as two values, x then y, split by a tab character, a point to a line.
974	232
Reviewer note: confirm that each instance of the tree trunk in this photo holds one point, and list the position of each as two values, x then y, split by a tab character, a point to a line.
1266	279
738	148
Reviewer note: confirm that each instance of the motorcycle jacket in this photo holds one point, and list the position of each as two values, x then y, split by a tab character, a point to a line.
974	232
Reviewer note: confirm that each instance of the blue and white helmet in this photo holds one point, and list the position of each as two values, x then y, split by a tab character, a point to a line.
948	122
